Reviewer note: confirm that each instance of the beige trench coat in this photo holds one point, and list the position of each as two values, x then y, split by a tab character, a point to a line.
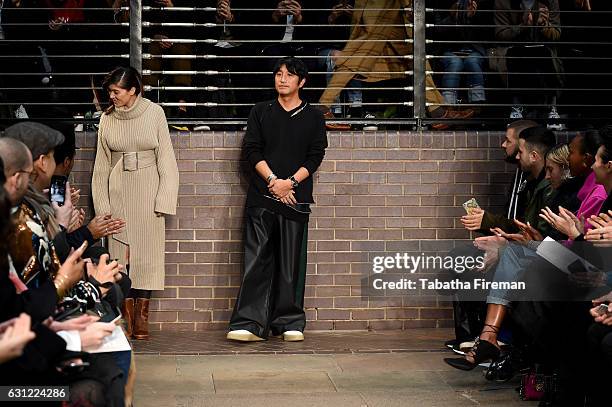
135	175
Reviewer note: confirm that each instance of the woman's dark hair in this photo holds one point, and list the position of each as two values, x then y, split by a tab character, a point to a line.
124	77
606	134
294	65
591	142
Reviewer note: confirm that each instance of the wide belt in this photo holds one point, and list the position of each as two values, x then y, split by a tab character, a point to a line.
134	161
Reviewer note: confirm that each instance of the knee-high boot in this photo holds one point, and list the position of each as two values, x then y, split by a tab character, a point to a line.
127	309
141	323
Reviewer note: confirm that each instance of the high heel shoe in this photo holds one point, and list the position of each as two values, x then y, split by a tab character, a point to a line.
480	352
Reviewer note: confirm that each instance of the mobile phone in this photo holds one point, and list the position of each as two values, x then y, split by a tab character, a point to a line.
470	205
603	309
117	320
57	190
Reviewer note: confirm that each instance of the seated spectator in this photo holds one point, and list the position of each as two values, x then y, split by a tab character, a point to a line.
468	57
526	28
599	350
534	142
39	266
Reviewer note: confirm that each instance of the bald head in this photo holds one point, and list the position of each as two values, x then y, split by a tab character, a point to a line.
17	168
15	154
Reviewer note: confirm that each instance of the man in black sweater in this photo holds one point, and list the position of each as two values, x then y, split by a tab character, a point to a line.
285	143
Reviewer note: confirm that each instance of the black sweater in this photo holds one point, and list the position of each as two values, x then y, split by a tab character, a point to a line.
286	141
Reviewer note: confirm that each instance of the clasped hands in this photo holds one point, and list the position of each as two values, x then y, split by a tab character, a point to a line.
282	189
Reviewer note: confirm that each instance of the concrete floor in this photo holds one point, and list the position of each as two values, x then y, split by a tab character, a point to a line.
413	378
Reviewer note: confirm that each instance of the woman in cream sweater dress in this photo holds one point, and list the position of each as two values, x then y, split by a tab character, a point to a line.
135	178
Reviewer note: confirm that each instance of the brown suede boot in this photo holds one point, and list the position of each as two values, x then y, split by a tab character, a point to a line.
141	322
127	310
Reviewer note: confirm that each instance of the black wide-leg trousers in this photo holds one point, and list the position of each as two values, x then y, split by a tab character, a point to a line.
271	295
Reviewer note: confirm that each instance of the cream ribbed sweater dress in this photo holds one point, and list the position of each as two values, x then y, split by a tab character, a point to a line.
135	175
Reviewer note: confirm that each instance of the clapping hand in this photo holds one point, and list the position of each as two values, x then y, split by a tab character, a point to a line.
14	336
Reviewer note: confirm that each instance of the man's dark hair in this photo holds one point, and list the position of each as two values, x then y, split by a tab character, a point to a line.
519	125
68	148
294	65
539	138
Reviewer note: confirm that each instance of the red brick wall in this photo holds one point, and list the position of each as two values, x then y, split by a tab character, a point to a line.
374	191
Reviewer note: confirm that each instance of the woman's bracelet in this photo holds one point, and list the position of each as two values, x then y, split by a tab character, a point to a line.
59	281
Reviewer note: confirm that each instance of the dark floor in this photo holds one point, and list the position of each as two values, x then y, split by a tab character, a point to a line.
324	342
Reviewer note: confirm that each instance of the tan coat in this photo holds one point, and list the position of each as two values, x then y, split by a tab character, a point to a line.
135	175
376	48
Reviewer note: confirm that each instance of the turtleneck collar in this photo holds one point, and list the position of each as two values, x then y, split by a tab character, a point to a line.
138	108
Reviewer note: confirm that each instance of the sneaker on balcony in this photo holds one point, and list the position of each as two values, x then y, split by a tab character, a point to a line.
242	335
201	127
516	113
554	116
371	126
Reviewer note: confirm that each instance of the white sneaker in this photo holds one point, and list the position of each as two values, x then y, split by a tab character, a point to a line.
554	115
201	127
243	335
293	336
21	113
370	127
516	113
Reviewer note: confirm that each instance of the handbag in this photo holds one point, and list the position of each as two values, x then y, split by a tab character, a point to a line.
537	386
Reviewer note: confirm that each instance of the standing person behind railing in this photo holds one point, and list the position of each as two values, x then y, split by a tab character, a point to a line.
374	22
527	28
334	33
454	20
22	23
162	46
273	29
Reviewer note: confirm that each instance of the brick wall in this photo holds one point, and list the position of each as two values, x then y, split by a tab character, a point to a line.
374	191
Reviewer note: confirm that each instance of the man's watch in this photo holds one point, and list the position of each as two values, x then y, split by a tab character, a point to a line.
294	182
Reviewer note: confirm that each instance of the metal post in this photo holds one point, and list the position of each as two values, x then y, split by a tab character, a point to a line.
419	59
136	34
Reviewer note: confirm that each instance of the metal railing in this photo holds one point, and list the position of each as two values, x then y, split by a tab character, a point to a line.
412	61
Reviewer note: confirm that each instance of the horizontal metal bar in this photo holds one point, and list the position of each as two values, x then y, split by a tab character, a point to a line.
589	58
208	56
217	88
67	56
54	73
122	40
214	104
526	89
470	25
558	105
527	73
147	72
520	42
66	24
214	41
430	10
24	9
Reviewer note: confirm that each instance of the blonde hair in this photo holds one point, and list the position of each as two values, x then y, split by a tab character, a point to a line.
559	155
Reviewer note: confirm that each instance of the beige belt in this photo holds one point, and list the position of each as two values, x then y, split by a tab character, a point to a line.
134	161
